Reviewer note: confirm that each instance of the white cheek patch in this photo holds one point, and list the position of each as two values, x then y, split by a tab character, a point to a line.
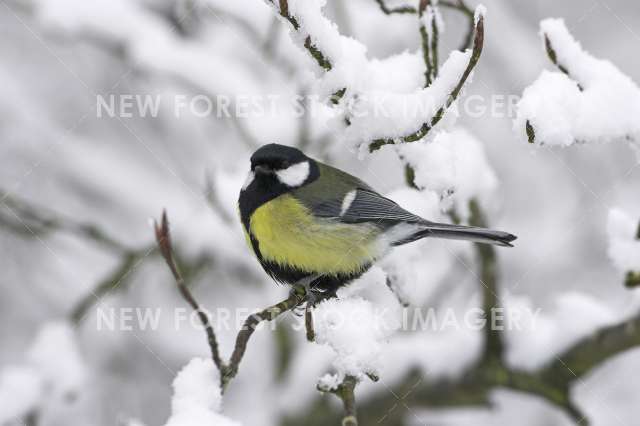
347	201
294	175
249	179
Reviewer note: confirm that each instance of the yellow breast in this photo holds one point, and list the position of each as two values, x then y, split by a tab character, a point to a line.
289	235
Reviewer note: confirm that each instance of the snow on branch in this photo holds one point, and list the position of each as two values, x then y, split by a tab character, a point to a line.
588	100
437	98
551	381
624	245
378	111
197	396
457	5
455	166
354	330
431	24
345	390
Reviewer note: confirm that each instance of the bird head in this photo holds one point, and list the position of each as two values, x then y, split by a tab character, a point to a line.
281	165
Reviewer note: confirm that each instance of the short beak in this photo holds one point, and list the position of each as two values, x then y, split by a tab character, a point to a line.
261	169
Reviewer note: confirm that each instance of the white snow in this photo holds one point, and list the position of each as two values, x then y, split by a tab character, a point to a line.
480	12
451	168
329	382
354	330
624	245
595	103
54	372
379	114
548	333
197	399
385	98
415	270
21	391
56	356
455	166
427	20
438	354
149	42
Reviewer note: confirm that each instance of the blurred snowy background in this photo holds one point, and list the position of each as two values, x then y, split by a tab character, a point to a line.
78	187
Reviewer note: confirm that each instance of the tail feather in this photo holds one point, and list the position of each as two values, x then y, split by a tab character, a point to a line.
460	232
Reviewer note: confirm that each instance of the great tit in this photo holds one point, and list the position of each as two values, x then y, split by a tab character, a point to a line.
308	222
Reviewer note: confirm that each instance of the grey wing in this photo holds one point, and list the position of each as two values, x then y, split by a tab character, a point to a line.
364	205
351	201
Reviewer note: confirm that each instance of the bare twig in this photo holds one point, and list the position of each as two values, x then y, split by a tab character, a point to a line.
434	45
308	323
227	370
591	351
295	299
457	5
426	45
489	279
531	132
346	392
632	279
553	57
163	239
35	220
41	220
118	278
429	38
320	57
461	7
427	126
391	10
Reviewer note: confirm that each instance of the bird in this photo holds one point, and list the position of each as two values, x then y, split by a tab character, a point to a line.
314	225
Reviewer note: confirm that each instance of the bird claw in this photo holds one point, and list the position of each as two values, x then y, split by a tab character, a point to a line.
312	295
315	296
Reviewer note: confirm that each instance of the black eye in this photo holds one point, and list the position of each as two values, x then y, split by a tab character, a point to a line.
284	164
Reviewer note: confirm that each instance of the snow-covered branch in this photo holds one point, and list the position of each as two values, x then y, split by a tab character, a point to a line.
624	245
456	73
457	5
197	396
552	381
344	62
588	101
430	25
